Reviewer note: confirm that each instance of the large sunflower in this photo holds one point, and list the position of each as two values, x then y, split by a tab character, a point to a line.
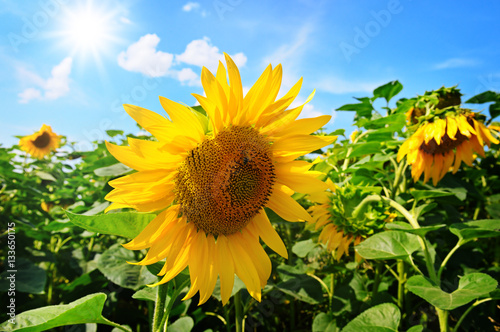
212	176
40	143
339	228
443	141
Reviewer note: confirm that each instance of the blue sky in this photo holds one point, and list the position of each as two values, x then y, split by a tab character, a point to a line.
71	64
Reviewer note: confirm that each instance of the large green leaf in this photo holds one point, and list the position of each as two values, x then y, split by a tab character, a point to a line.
388	245
113	264
85	310
484	97
324	322
364	148
112	170
126	224
476	229
302	248
183	324
387	91
381	318
470	287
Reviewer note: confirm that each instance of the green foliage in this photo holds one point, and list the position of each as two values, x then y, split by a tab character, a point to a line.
427	257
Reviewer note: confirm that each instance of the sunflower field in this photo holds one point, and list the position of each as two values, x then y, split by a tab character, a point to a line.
239	215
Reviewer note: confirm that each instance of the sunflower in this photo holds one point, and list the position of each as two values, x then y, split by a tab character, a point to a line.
40	143
212	173
444	141
339	227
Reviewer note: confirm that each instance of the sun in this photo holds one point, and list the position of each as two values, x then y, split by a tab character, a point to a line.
89	30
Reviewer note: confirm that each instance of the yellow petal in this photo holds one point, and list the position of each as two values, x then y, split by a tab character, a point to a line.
285	206
183	118
226	268
268	234
151	233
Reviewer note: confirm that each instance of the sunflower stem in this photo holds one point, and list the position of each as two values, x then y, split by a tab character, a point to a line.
238	311
161	296
443	319
401	281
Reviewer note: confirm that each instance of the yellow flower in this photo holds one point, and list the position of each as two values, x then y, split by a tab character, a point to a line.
40	143
211	177
446	141
339	227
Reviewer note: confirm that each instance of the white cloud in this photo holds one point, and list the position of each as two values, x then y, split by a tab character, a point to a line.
29	94
339	86
201	52
143	57
456	63
56	86
125	20
190	6
187	76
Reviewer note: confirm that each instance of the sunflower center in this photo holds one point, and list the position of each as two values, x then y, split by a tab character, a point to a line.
225	181
42	141
447	144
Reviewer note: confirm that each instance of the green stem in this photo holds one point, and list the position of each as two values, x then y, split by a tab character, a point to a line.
226	315
401	281
332	290
376	280
443	319
161	296
447	258
475	304
238	311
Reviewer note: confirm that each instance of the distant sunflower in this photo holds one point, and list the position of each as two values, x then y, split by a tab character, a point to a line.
212	176
339	228
443	141
40	143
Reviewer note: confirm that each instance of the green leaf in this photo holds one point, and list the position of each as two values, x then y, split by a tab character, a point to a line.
113	133
126	224
146	294
387	91
324	323
303	288
83	311
29	278
45	176
484	97
416	328
405	227
113	264
112	170
364	148
494	110
470	287
302	248
363	109
388	245
476	229
183	324
381	318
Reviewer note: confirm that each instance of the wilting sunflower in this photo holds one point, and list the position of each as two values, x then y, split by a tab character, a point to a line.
445	140
40	143
212	176
334	216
